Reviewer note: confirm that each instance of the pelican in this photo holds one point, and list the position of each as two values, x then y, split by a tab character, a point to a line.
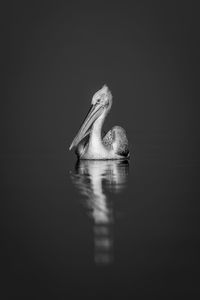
114	144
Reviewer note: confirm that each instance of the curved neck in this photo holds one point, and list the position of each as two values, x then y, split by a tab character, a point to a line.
95	135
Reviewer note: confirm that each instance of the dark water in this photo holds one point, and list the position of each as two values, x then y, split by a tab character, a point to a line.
102	230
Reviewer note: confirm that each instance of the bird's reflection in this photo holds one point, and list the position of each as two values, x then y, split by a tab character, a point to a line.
94	179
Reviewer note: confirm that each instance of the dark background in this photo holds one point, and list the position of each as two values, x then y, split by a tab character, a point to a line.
55	56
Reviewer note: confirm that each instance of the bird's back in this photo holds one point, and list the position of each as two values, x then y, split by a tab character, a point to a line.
116	139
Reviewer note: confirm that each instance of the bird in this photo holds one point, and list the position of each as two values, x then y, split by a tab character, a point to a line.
89	143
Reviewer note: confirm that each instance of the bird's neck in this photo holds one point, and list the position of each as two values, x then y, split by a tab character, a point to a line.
95	141
95	135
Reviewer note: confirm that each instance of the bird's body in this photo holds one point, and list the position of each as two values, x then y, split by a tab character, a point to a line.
89	142
114	145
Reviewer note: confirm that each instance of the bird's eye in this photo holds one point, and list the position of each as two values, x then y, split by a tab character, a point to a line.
98	100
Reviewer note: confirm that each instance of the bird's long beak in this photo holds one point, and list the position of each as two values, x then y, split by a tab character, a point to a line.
94	112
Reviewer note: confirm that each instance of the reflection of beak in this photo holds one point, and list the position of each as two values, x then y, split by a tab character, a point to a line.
93	114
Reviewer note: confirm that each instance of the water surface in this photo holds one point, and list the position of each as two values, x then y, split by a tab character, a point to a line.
100	229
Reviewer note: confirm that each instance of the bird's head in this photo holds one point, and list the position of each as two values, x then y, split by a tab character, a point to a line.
103	97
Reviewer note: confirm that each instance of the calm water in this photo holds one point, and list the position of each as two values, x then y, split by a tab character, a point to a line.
99	229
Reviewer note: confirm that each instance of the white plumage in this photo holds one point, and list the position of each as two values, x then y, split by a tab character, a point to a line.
88	142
